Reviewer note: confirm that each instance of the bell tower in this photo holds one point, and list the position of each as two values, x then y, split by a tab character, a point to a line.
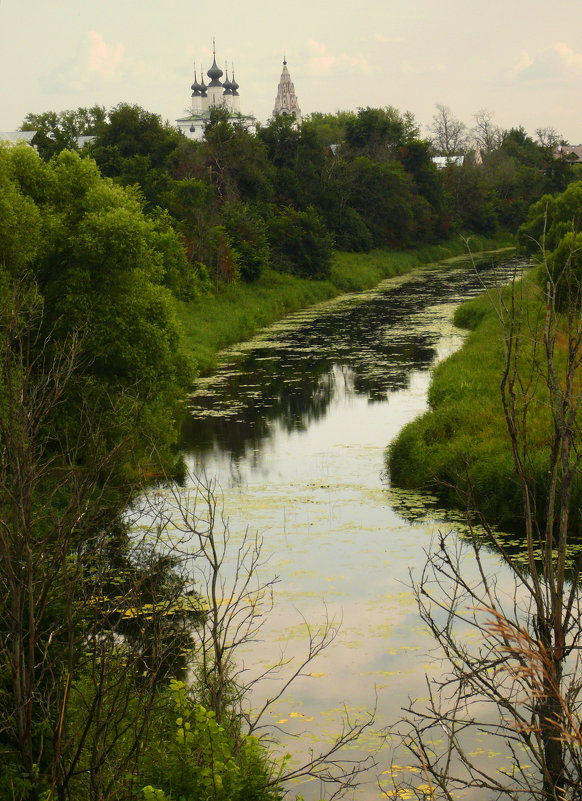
286	100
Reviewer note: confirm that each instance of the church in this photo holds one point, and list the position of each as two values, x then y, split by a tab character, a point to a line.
286	100
225	95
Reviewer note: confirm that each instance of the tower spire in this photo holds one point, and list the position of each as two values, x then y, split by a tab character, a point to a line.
286	100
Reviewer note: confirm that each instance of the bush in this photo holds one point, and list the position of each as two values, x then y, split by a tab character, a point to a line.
300	243
248	236
195	758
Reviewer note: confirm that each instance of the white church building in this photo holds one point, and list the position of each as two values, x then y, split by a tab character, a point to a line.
215	94
224	94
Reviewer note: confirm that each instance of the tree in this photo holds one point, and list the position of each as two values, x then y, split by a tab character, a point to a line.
449	135
517	678
234	161
557	169
132	131
551	219
99	265
62	130
300	243
330	128
378	132
70	581
135	146
383	194
487	136
95	621
468	197
249	238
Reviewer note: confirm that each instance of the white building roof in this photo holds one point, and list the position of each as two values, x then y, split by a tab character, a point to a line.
17	136
448	161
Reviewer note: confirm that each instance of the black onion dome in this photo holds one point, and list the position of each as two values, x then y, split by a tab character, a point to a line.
234	85
202	86
195	86
227	85
214	73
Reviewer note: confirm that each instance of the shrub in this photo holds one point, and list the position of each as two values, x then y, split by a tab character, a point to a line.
300	243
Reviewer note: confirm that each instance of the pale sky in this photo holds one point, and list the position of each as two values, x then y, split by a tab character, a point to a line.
521	59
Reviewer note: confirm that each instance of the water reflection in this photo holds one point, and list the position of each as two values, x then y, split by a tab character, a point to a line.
293	429
362	344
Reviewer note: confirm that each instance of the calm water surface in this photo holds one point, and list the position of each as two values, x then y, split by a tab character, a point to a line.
293	431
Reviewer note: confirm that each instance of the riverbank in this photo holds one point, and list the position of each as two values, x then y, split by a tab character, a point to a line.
214	322
460	449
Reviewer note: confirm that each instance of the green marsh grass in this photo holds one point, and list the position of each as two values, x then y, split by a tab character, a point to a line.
236	312
459	449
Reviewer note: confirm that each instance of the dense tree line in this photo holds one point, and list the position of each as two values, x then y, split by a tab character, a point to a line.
285	196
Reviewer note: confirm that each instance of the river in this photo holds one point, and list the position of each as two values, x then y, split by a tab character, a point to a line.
292	432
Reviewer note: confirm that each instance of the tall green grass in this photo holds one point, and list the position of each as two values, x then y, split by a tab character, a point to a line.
237	311
460	449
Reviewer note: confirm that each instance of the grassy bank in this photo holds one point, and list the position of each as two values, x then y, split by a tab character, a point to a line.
238	311
460	448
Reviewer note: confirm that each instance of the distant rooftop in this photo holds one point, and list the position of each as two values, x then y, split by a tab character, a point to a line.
17	136
448	161
83	140
569	152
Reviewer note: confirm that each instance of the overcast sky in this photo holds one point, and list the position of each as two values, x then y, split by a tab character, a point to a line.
522	59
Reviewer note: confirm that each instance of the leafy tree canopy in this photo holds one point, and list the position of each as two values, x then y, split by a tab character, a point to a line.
329	128
552	218
58	131
99	265
378	132
133	131
300	243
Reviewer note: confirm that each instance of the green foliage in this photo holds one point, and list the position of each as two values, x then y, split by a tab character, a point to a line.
234	161
281	139
330	129
378	132
225	264
60	131
300	243
383	195
472	206
459	449
300	162
368	176
350	231
553	226
135	147
415	157
132	131
248	235
551	218
99	264
200	760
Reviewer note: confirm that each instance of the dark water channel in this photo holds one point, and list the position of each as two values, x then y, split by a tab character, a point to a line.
293	430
